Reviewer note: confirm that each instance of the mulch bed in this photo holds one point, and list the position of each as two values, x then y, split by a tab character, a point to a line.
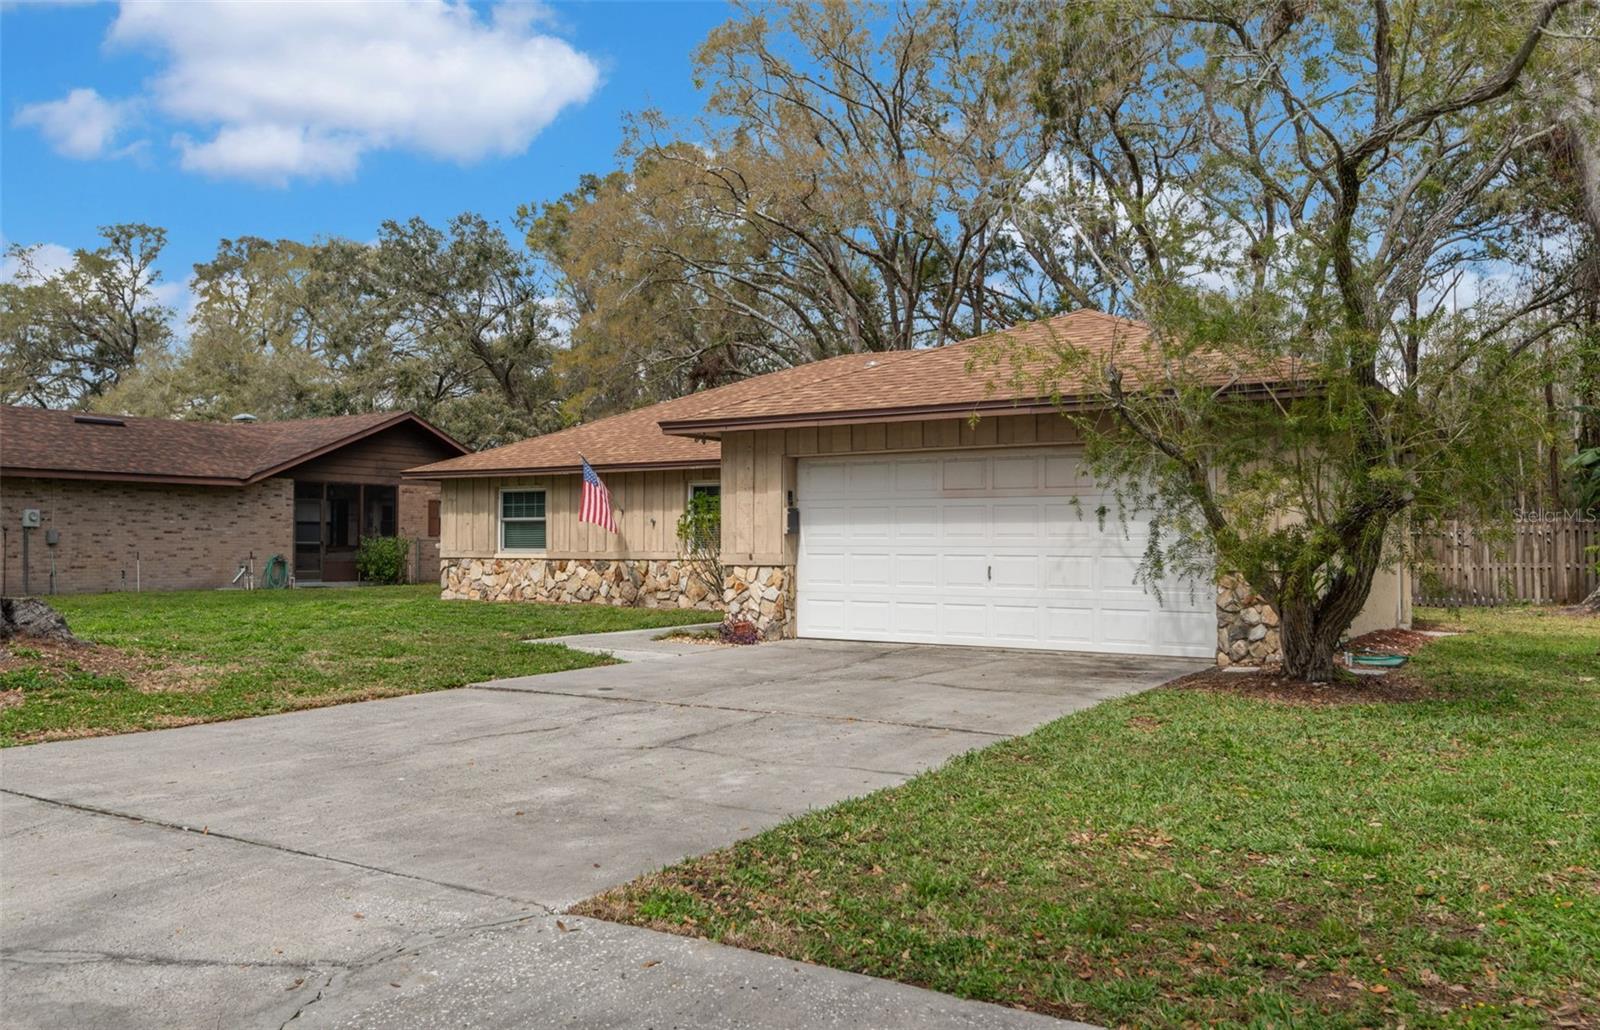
1392	641
1273	685
1268	685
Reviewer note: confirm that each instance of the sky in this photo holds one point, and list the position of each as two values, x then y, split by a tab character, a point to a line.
219	120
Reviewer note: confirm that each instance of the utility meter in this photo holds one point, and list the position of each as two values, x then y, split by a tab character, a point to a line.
30	518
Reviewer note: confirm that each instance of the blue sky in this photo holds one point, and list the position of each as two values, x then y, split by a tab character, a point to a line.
300	120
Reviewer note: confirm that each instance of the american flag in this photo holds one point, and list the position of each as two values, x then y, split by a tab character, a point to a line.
596	502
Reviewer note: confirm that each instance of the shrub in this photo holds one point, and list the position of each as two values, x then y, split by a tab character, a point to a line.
700	541
382	559
739	632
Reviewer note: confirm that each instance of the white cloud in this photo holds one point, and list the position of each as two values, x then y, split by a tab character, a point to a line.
271	153
46	259
82	124
287	90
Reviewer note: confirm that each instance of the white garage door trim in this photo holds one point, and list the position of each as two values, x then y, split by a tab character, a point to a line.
990	548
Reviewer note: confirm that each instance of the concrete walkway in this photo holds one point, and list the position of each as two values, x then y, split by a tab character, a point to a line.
637	645
405	862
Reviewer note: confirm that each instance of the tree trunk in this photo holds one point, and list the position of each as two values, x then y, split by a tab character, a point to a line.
1309	645
1310	624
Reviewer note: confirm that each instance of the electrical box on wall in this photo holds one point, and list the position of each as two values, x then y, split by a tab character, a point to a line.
793	525
30	518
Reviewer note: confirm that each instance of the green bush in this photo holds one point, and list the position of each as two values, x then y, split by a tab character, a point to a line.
382	559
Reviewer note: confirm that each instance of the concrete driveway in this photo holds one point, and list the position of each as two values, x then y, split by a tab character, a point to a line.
405	862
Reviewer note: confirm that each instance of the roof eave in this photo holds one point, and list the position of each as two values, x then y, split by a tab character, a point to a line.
711	428
119	477
426	472
804	420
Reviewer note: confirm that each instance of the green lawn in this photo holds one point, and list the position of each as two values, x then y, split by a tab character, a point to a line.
201	656
1189	858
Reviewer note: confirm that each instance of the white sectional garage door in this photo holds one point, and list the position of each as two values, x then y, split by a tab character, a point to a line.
983	548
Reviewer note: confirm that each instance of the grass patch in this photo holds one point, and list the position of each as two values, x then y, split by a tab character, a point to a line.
1188	858
168	659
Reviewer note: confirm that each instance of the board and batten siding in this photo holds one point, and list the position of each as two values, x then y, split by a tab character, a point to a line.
759	468
648	505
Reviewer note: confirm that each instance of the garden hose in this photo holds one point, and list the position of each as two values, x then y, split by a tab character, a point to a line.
275	573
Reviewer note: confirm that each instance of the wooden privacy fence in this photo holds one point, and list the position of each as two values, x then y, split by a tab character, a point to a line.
1543	561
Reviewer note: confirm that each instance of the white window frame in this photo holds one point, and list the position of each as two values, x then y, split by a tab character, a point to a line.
500	518
688	496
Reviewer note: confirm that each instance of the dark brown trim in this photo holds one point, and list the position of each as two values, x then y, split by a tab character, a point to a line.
118	477
708	428
424	472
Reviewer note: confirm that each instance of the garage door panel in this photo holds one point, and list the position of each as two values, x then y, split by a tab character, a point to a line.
964	572
966	474
869	571
1071	629
822	617
826	570
916	619
1004	549
826	479
871	522
965	521
827	524
1016	623
869	615
1069	574
1063	472
1125	625
867	478
916	478
967	620
1016	572
1019	473
1017	523
914	523
916	571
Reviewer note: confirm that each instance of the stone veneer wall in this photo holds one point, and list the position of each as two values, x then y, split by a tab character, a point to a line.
1247	626
762	595
624	582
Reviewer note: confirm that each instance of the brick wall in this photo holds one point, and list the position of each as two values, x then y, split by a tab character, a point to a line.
413	525
185	537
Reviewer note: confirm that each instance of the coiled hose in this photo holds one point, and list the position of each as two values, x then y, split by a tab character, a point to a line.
275	574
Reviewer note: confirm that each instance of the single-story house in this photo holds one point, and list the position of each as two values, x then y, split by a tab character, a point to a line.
127	503
901	496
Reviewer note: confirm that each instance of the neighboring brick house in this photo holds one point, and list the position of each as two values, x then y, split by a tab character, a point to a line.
156	504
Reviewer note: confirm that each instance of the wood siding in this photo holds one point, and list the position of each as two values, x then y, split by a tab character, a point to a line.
648	505
759	468
377	459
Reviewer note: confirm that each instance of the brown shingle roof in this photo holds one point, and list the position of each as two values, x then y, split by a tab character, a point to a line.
630	440
77	445
1007	370
943	382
